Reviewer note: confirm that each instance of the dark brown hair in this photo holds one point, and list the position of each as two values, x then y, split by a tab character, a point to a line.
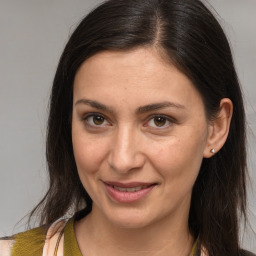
192	39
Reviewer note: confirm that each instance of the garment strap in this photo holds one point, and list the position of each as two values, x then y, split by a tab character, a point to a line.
53	238
58	242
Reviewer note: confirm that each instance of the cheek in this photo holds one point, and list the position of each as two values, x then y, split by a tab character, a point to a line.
89	155
88	152
179	157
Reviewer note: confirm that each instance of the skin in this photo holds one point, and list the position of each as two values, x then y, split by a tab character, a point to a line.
125	142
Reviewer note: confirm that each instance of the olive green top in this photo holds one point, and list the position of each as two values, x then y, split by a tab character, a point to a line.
70	242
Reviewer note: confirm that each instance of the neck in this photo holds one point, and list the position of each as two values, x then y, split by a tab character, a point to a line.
97	236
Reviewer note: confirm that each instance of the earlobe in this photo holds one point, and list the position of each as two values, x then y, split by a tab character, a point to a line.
219	128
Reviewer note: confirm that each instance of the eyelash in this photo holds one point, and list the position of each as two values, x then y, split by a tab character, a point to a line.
165	118
93	115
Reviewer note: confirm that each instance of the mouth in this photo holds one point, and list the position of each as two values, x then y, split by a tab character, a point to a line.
133	189
128	192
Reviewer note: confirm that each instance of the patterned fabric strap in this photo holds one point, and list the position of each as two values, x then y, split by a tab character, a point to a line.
54	239
5	247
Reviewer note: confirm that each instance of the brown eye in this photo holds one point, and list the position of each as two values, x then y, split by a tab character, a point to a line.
160	121
98	120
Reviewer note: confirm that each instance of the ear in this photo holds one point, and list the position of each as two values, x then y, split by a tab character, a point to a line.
219	128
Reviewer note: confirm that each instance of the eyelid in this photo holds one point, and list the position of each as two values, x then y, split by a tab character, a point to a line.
93	114
168	118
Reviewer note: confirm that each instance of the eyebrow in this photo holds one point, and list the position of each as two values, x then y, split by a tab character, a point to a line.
140	110
155	106
94	104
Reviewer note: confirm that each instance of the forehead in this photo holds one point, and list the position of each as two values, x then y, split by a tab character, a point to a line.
125	76
136	63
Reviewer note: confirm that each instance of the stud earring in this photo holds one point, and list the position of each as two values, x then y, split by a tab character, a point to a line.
212	150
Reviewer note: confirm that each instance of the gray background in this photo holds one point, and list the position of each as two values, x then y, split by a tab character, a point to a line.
32	36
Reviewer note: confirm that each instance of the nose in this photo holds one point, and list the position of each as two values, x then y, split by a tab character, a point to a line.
125	154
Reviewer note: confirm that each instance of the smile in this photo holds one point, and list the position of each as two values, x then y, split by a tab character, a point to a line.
129	192
134	189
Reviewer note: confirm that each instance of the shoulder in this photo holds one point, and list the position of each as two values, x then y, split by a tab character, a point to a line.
24	243
38	241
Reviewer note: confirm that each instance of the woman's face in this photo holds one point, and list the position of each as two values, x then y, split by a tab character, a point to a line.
139	134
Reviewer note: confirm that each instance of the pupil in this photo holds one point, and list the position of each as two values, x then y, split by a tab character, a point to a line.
98	120
160	121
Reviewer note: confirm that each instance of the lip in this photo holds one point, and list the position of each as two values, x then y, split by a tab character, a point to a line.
128	196
128	184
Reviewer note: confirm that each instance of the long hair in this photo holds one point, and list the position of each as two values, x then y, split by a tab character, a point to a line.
189	36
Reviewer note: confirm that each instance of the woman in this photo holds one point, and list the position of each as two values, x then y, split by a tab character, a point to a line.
146	138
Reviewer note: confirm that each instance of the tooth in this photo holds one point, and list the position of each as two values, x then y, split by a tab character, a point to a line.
134	189
131	189
120	189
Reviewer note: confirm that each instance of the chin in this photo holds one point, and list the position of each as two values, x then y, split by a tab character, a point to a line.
130	219
129	223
